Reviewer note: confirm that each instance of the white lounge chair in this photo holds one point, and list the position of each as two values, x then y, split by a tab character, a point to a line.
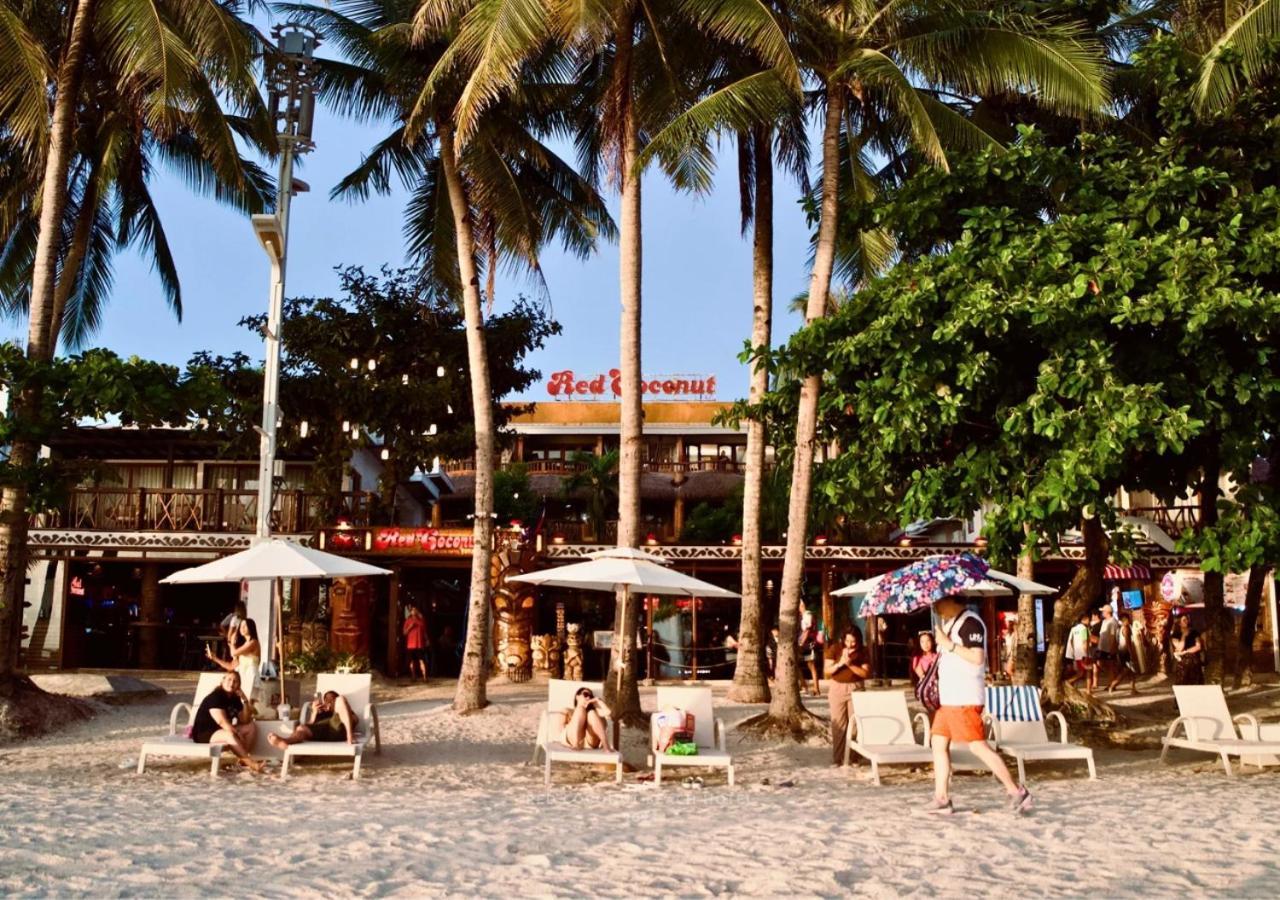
560	696
355	688
176	742
882	731
1020	730
708	732
1209	727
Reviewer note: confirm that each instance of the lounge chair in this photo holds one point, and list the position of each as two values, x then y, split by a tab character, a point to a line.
355	688
882	731
1020	732
560	696
176	742
708	732
1209	727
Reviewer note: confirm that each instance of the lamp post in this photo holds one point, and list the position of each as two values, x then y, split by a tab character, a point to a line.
291	74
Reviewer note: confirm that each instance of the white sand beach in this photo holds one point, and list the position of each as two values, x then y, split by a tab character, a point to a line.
451	807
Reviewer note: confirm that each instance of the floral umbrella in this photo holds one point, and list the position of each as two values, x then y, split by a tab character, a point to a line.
924	583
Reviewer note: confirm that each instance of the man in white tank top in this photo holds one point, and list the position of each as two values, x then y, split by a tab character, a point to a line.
962	685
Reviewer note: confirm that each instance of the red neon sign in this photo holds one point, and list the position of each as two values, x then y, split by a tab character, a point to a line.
427	541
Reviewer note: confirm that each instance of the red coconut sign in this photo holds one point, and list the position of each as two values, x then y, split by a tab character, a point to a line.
424	541
568	385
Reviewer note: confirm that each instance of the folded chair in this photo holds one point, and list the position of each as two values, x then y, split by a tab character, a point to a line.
1208	727
356	689
176	742
708	732
1020	731
560	696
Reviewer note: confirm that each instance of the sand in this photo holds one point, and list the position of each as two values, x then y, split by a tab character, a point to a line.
452	807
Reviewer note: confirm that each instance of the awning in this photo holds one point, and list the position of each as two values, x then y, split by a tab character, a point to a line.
1126	573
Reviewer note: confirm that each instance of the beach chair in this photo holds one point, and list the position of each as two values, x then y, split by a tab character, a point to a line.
560	695
176	742
708	732
355	688
1209	727
1020	730
882	731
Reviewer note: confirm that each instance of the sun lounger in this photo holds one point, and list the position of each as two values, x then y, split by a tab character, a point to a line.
881	731
176	742
560	696
355	688
1209	727
1020	732
708	732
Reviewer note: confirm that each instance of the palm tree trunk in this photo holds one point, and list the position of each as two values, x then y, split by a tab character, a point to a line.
785	708
1249	624
22	454
623	690
471	693
1024	653
1083	591
750	684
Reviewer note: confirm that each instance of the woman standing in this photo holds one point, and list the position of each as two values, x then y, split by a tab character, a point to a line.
1188	653
246	657
924	658
810	642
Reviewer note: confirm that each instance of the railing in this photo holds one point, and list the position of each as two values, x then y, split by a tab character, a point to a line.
189	509
1175	520
568	467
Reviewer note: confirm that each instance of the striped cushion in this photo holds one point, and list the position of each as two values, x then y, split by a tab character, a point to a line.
1014	704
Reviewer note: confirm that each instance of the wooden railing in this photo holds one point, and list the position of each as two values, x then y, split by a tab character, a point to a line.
1175	520
190	509
569	467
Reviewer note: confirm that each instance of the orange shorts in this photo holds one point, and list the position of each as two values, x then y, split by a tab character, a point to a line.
962	724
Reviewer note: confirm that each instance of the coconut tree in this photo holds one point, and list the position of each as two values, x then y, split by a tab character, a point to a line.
163	60
500	197
1234	39
638	64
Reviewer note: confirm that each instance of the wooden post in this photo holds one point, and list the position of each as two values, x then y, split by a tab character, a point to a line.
151	618
142	509
693	611
648	669
393	625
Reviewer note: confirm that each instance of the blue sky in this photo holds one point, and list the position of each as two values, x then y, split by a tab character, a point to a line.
697	272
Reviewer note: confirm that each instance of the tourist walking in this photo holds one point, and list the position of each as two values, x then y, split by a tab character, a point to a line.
1126	659
1078	650
810	646
1108	647
771	652
415	642
962	685
1188	653
847	672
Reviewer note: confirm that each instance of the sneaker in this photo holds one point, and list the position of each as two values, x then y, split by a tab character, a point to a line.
1020	802
939	807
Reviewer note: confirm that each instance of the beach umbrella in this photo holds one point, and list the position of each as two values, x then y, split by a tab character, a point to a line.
274	560
929	580
624	569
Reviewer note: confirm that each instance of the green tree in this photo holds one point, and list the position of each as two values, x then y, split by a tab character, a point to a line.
596	478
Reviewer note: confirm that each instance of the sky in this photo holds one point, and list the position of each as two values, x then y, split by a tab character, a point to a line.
697	272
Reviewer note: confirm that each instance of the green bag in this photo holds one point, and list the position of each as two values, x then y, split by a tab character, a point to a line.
683	748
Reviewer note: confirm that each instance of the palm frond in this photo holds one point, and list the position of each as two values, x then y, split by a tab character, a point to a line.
1238	56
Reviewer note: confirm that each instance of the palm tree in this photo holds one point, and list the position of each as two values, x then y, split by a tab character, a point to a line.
597	476
502	195
638	64
164	61
1238	35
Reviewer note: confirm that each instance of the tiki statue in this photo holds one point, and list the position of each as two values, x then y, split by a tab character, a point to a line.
546	656
573	652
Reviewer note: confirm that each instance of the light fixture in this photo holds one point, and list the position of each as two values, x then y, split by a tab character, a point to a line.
304	429
386	454
448	408
439	371
980	542
355	363
373	364
346	426
820	540
515	495
737	540
904	542
355	432
557	538
404	379
651	539
432	429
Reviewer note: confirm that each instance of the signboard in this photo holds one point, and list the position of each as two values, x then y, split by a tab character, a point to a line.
570	385
422	541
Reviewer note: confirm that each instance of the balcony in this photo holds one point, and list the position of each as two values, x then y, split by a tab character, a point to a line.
567	467
188	509
1173	520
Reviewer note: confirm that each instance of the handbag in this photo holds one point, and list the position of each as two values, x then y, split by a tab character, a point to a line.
927	688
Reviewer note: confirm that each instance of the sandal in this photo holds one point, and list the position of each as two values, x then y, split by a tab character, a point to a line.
688	782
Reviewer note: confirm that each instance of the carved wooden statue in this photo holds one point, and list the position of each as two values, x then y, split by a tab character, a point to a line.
573	656
547	657
513	614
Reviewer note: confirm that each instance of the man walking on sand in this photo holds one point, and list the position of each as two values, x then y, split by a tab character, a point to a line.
962	670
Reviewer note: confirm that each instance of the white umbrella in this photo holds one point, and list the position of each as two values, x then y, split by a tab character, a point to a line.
624	568
273	560
996	584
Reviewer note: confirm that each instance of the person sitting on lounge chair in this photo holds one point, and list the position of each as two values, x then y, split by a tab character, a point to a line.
584	726
331	719
225	716
673	724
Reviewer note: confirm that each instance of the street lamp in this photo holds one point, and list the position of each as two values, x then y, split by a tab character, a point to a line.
291	73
